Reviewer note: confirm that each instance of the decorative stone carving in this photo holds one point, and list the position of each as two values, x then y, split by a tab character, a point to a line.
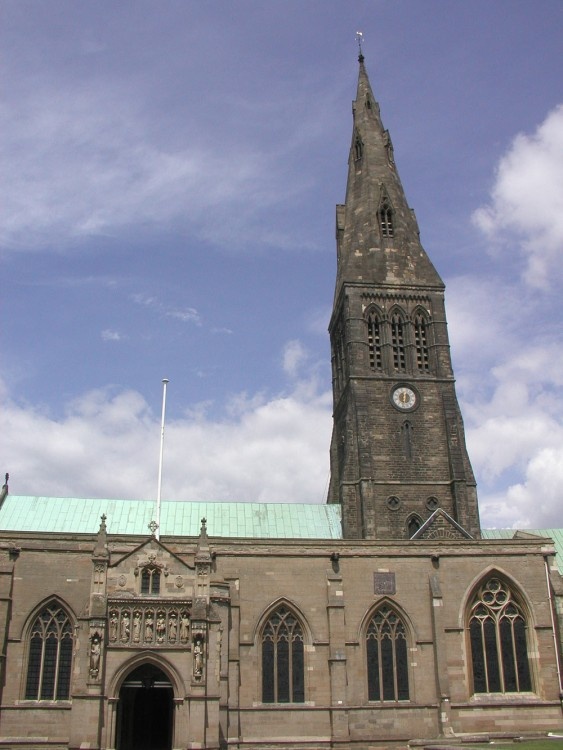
151	561
137	626
198	656
95	654
125	628
142	624
184	627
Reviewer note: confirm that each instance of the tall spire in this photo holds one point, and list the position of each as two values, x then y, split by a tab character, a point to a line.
377	233
398	450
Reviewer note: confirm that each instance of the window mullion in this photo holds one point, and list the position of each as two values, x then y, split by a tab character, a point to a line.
484	649
499	653
276	668
41	667
514	658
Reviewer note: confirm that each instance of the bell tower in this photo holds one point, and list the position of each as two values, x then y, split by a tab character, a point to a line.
398	450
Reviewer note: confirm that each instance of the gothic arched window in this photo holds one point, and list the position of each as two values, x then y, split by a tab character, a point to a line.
50	655
358	148
150	581
497	632
283	675
387	661
398	342
374	341
421	343
413	525
386	218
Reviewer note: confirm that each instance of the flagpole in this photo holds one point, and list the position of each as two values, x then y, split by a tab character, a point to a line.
158	494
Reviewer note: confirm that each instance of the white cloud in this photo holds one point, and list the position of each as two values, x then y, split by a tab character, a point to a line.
510	384
186	314
88	162
526	208
294	356
109	335
271	450
535	502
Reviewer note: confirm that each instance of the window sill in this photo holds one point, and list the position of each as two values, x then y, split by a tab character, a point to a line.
29	703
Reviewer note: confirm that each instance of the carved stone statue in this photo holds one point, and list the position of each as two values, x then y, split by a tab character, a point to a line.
113	621
125	627
95	650
184	627
172	628
149	626
137	627
198	656
160	627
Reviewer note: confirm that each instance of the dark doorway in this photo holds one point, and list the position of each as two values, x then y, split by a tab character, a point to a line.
145	711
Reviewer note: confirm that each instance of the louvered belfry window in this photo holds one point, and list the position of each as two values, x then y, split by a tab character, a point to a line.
398	342
374	341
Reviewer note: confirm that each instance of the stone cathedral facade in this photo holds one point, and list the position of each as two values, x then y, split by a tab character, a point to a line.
383	617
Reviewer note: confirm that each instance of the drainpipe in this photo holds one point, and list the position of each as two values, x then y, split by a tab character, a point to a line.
553	625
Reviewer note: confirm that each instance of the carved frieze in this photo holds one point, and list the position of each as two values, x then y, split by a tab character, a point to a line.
144	624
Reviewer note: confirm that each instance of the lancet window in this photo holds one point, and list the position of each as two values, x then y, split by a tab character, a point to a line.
413	525
358	148
498	637
50	655
282	658
374	341
387	661
421	343
398	342
386	218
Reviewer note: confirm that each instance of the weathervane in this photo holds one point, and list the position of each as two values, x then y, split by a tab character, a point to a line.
360	39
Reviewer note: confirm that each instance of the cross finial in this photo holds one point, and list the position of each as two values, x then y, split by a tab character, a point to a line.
360	39
153	526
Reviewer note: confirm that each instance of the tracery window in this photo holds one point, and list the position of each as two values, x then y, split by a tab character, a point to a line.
150	581
374	341
283	677
387	664
386	218
421	343
398	342
50	655
497	632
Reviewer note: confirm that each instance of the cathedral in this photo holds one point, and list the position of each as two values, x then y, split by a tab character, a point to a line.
385	617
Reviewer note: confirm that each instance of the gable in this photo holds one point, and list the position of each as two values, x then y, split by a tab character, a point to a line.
441	525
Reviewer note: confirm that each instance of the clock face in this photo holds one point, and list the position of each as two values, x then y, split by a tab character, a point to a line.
404	398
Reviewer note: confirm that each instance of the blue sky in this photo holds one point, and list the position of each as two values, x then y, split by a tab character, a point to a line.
170	172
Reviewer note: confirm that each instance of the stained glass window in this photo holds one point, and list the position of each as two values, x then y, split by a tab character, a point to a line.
497	633
50	655
282	659
388	677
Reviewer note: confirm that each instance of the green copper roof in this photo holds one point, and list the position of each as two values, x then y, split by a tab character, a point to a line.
254	520
229	520
555	534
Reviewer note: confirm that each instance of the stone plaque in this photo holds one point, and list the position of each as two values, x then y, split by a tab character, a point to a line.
384	583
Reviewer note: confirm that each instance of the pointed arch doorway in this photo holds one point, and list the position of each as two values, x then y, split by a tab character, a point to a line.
145	710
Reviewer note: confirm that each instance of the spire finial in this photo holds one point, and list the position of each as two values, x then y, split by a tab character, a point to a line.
360	39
